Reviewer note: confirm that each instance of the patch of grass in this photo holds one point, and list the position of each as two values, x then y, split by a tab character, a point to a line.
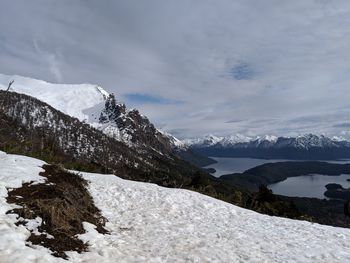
63	203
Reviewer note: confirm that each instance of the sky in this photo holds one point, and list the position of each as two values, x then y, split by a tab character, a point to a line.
194	67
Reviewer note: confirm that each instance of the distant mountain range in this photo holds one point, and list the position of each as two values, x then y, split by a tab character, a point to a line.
308	147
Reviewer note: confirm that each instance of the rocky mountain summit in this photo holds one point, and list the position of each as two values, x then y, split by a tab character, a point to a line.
131	127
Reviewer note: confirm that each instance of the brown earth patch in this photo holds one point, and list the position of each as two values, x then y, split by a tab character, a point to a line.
63	203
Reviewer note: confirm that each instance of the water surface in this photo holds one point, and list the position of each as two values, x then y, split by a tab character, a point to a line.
302	186
239	165
313	185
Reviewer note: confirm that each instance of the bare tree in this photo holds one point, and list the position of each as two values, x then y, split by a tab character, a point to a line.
7	90
10	84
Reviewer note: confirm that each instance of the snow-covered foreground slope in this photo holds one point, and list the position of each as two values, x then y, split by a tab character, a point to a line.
148	223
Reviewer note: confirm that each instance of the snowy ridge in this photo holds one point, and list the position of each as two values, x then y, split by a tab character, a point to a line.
338	139
269	138
211	140
207	140
233	139
76	100
311	140
303	141
148	223
175	142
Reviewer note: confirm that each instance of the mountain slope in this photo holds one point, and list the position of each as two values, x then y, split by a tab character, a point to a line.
31	127
95	106
131	127
175	225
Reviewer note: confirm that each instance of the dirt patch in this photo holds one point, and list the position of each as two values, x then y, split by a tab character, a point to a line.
63	203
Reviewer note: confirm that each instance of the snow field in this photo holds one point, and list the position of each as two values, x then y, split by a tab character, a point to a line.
148	223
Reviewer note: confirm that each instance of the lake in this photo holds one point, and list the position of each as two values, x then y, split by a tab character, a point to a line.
302	186
313	185
239	165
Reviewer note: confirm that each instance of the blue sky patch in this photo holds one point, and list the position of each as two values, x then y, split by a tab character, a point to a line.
139	98
242	71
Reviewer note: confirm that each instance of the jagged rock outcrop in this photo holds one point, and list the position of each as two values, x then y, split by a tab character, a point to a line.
131	127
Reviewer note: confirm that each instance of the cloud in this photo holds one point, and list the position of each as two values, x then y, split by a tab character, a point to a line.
283	62
51	60
342	125
234	121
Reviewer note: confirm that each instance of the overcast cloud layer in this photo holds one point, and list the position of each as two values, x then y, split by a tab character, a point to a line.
194	66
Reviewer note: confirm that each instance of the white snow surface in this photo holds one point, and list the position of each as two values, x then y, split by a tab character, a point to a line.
173	140
82	101
269	138
338	139
229	140
207	140
301	141
148	223
234	139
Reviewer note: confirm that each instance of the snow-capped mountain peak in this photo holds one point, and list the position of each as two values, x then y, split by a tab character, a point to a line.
312	140
104	93
269	138
82	101
234	139
207	140
212	139
173	140
338	139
